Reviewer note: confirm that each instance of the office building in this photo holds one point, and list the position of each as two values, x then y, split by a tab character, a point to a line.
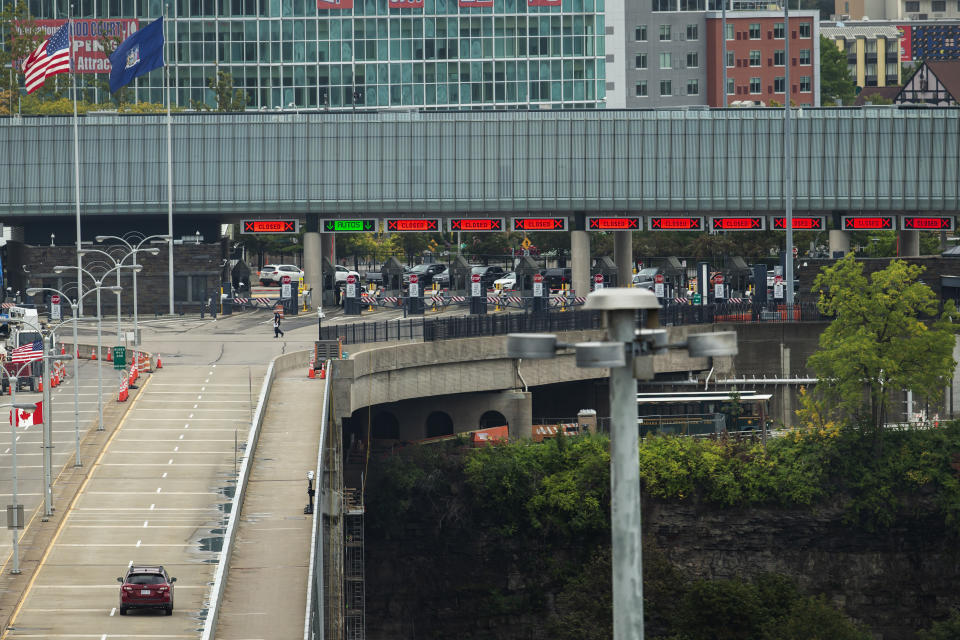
872	51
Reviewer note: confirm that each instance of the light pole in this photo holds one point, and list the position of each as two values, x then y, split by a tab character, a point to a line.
133	251
98	285
74	307
47	421
629	355
117	265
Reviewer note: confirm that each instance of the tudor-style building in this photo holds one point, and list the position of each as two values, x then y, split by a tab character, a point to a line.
936	83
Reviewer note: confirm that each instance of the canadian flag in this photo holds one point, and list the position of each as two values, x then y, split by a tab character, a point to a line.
27	418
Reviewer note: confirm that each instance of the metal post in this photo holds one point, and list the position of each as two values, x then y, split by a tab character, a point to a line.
625	488
13	449
47	432
166	87
99	361
76	383
787	160
723	53
119	335
136	330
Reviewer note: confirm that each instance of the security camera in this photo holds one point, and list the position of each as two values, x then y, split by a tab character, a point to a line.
309	475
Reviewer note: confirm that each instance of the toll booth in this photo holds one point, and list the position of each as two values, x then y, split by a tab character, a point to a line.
392	272
329	283
415	296
606	267
759	290
674	275
525	271
478	295
226	300
351	297
460	276
738	275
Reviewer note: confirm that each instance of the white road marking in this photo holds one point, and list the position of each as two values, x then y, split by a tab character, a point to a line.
191	415
203	388
145	523
200	397
194	406
112	611
138	543
158	489
153	505
175	449
181	435
170	461
163	476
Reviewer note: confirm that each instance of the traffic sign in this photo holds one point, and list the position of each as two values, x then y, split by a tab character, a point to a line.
270	226
778	290
597	281
286	291
284	279
422	225
658	279
685	223
475	285
718	279
777	279
538	277
718	291
351	286
658	289
478	224
795	252
414	278
613	223
697	298
807	223
475	277
868	223
526	244
738	223
539	224
54	307
356	225
927	223
119	357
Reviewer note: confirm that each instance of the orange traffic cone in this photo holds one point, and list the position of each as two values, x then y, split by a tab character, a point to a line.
109	355
159	366
41	386
311	372
323	373
93	353
63	350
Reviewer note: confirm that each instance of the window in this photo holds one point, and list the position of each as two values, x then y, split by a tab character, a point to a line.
804	29
732	59
731	87
938	5
805	84
913	7
804	56
664	32
754	30
640	33
641	61
666	60
693	60
755	58
692	32
754	85
779	58
730	35
693	87
778	84
642	89
778	31
666	88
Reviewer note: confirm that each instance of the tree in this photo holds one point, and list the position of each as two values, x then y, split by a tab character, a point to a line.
877	342
836	84
876	98
20	36
228	99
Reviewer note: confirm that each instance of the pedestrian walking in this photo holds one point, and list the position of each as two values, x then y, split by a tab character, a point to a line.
277	331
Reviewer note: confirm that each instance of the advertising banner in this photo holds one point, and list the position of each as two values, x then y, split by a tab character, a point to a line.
86	40
543	3
405	4
476	3
906	47
334	4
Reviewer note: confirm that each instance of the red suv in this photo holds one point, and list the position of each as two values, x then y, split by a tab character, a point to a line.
146	587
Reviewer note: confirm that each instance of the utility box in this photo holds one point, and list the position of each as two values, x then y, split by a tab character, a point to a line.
392	272
587	419
525	271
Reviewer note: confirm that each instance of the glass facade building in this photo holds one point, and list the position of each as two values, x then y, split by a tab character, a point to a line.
289	54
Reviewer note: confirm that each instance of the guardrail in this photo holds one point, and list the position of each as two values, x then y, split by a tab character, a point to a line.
313	624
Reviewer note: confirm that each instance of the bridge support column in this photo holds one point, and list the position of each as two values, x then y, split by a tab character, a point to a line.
521	422
313	258
909	244
580	255
623	257
839	242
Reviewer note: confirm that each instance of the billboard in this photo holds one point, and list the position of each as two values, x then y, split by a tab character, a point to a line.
906	50
87	54
334	4
405	4
475	3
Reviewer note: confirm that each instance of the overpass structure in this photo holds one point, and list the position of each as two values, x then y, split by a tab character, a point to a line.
320	165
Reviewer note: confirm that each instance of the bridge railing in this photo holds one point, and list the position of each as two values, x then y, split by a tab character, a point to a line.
313	625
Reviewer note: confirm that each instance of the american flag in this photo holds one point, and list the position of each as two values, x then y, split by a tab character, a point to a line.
28	352
50	58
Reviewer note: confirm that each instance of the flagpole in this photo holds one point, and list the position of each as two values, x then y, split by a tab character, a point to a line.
166	85
76	163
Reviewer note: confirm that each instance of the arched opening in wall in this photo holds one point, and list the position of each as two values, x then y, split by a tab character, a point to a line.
439	424
493	419
385	426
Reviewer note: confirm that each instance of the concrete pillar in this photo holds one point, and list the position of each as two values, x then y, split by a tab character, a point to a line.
312	263
839	242
580	256
520	418
909	244
623	257
787	401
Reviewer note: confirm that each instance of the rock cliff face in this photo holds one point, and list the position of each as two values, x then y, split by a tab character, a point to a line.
431	581
896	581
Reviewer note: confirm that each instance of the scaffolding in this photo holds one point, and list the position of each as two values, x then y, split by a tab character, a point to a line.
354	597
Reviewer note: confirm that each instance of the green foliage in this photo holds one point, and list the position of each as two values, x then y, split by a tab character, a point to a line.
948	629
836	83
228	99
585	604
813	618
877	341
876	98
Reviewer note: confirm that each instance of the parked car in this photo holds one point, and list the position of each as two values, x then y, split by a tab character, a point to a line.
556	278
488	275
341	273
645	276
428	273
146	587
271	274
507	282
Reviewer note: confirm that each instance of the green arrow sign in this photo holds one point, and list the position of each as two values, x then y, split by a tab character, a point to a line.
697	298
119	357
361	225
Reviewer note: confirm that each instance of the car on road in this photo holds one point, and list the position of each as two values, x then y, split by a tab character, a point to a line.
146	587
272	274
427	273
488	275
556	278
507	282
341	273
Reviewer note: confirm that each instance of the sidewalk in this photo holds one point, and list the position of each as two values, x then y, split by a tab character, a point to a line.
265	594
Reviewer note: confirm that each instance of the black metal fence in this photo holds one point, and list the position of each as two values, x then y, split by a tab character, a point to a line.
678	314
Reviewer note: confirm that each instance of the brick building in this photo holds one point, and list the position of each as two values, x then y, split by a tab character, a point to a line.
756	58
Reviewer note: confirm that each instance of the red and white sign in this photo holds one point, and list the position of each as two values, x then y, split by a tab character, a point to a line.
54	299
87	54
718	279
598	278
285	280
658	278
334	4
544	3
414	278
475	3
405	4
475	277
777	279
351	279
27	418
538	277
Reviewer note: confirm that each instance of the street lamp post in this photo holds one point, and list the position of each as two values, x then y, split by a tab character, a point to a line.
117	265
48	358
133	251
98	285
629	355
